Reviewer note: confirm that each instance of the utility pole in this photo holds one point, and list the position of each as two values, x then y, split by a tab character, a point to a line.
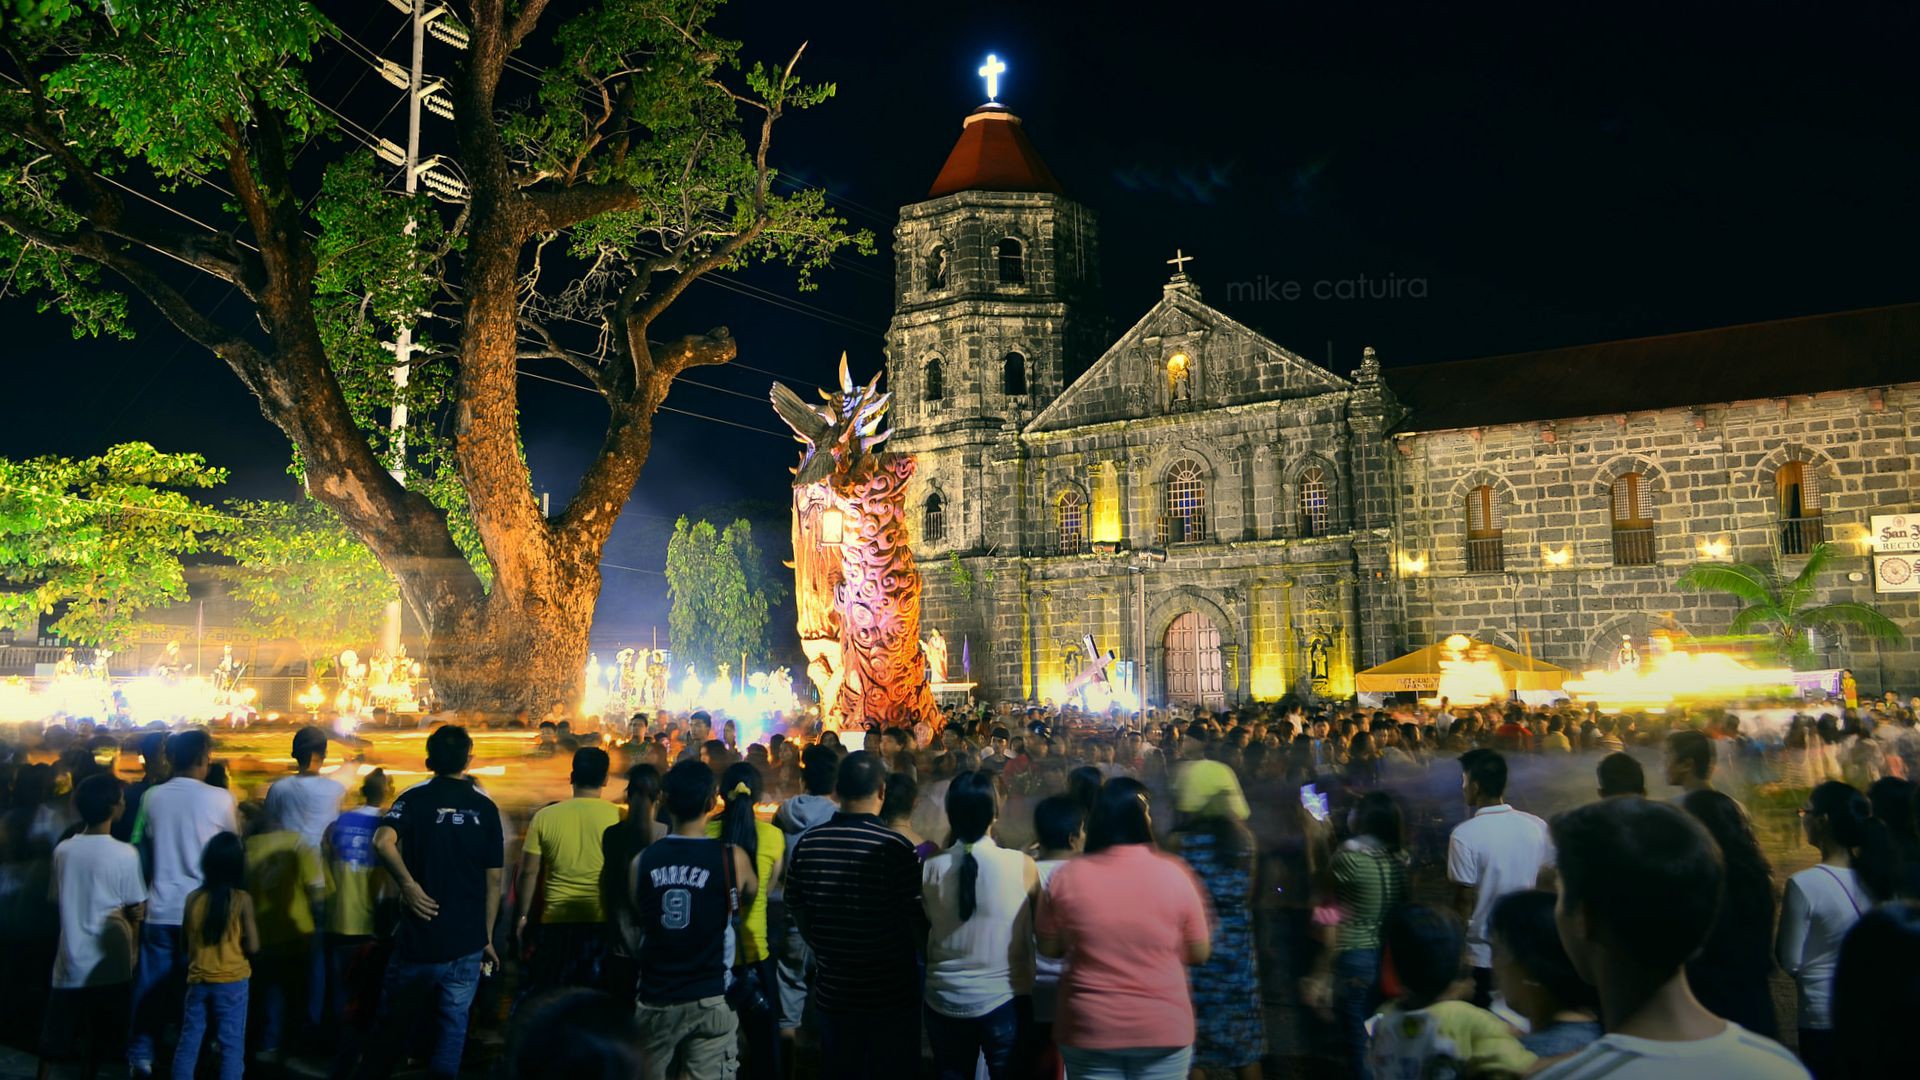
403	343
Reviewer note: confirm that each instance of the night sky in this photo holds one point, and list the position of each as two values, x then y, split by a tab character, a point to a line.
1548	177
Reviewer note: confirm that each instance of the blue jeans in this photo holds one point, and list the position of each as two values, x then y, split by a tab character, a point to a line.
447	986
1356	994
1132	1063
870	1045
958	1044
156	989
226	1005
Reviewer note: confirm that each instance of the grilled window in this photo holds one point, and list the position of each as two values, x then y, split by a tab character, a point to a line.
1315	511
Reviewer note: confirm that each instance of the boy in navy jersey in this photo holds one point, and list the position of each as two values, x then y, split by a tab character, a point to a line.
686	888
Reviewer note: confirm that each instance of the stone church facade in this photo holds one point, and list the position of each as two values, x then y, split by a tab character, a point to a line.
1243	523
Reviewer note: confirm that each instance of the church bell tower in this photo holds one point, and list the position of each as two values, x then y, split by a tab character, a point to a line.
995	278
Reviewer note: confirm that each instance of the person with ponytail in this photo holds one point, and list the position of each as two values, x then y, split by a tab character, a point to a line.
1858	868
219	935
979	898
755	977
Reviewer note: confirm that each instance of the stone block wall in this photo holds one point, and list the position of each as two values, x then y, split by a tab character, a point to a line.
1710	472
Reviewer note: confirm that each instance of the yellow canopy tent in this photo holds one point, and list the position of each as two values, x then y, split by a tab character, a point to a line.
1420	671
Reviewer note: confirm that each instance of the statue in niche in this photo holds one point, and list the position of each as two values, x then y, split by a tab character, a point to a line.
1318	650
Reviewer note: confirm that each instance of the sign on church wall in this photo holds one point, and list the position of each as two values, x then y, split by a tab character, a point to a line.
1896	547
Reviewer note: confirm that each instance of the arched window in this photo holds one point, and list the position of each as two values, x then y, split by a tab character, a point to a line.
1486	551
1011	258
1632	521
1315	509
933	519
1013	375
1797	492
1185	516
934	385
1070	521
936	268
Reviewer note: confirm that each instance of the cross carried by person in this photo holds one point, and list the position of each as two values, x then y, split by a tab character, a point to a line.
1095	671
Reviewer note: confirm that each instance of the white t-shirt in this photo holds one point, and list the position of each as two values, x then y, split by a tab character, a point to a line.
1734	1054
1821	904
976	966
306	805
1499	850
93	877
182	815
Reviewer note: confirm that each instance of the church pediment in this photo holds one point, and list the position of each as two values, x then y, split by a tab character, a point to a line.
1184	356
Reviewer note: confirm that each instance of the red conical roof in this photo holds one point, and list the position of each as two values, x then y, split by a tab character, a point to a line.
993	154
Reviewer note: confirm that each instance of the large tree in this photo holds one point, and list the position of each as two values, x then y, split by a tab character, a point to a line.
99	539
632	160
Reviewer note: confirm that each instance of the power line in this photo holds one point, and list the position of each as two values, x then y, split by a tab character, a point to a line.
663	408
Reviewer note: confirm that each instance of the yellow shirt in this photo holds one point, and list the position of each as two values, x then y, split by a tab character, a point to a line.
220	961
281	868
772	844
566	836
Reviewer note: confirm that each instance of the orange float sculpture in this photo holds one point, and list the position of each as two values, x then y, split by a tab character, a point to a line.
855	583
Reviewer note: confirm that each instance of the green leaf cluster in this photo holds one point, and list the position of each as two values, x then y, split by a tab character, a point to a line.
302	576
100	539
721	595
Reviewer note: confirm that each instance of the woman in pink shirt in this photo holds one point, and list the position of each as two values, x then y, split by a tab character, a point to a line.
1127	919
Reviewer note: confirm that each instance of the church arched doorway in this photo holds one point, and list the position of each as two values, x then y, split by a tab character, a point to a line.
1193	670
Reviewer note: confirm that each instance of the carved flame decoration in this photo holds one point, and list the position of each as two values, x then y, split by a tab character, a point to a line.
855	583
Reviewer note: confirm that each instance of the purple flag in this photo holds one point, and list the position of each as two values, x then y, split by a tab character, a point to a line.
966	656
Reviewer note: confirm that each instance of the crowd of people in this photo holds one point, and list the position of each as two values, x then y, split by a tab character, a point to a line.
1014	892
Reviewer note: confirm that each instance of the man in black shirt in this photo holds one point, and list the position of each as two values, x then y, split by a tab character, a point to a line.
686	888
442	845
854	888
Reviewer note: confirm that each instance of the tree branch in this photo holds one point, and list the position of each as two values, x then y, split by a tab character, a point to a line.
524	23
551	211
552	350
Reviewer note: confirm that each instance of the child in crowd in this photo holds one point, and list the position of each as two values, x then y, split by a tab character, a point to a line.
219	935
102	898
1060	823
1535	977
1427	1032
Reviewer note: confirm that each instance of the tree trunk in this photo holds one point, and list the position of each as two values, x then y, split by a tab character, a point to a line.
524	649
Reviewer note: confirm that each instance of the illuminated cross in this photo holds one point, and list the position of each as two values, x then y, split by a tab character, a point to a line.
991	72
1179	261
1094	672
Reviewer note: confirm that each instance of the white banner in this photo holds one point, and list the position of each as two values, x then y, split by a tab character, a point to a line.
1895	533
1896	573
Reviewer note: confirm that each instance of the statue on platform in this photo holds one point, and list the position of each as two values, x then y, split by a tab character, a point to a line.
855	583
658	671
171	664
66	667
227	672
1629	656
936	646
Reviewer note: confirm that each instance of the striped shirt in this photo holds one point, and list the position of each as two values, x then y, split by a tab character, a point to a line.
1734	1054
854	888
1368	881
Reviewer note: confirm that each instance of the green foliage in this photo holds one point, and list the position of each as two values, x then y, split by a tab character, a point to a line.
1782	604
961	576
303	576
160	78
638	100
101	537
721	593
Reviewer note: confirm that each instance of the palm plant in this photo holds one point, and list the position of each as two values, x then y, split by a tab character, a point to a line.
1784	605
